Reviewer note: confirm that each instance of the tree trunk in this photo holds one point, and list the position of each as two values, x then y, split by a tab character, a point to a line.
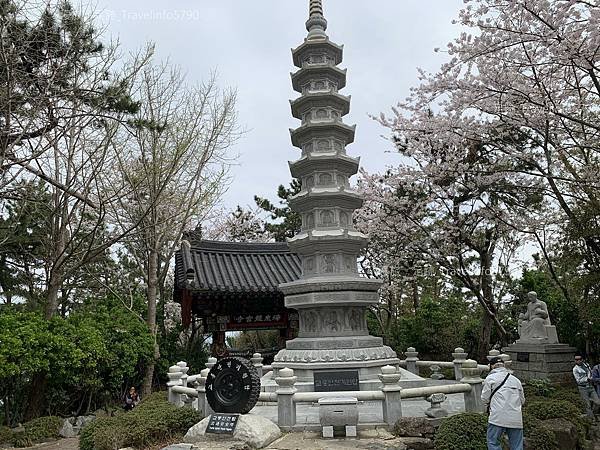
36	396
52	294
151	319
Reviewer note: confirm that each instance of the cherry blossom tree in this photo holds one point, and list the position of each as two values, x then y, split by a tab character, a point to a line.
502	142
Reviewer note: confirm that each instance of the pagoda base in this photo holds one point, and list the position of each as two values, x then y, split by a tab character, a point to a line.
368	361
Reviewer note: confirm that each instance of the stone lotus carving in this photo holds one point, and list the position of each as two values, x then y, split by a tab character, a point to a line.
347	354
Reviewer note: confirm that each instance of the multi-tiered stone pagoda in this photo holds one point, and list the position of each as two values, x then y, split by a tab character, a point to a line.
330	296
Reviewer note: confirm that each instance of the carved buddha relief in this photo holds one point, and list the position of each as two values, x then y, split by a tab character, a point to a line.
337	146
310	182
322	114
343	219
310	221
325	179
323	145
328	264
350	263
307	148
319	85
331	321
327	218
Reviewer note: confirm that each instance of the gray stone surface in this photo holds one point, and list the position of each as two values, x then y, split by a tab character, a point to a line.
82	421
339	411
67	430
179	447
552	362
565	433
253	430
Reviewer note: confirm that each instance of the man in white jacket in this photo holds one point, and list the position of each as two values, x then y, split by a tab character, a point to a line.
503	397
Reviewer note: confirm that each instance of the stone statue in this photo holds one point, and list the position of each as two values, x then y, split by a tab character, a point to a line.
534	324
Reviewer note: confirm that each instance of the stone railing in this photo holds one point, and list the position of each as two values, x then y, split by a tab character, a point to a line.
412	363
287	396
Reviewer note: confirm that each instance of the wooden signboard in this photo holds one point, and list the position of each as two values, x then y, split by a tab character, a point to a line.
336	380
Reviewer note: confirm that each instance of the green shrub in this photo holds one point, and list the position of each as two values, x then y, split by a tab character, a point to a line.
466	431
152	421
38	430
539	388
571	396
6	435
557	409
538	436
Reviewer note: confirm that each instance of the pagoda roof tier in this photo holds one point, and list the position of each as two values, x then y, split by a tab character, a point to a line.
324	161
331	129
322	197
316	71
332	240
320	100
310	46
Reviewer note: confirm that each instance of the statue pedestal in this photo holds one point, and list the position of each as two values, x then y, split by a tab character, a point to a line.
537	360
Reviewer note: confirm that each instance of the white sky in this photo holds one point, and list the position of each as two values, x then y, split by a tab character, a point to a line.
248	43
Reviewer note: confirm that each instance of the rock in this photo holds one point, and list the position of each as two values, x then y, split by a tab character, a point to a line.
256	431
82	421
414	427
417	443
564	431
67	430
179	447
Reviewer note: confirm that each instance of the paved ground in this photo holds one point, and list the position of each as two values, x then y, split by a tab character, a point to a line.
367	440
63	444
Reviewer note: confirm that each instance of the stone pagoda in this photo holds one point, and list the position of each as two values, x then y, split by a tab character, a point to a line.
330	296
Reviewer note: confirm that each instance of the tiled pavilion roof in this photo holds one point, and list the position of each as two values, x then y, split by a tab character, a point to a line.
231	267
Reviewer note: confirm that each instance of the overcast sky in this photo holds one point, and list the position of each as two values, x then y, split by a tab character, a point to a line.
248	43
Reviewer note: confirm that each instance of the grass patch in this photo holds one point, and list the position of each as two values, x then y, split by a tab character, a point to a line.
466	431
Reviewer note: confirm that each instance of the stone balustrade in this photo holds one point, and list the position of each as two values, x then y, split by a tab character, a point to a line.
467	372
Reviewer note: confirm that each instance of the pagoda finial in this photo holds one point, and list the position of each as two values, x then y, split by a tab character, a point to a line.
316	23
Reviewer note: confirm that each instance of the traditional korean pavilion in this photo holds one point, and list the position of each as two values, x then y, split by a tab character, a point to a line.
231	286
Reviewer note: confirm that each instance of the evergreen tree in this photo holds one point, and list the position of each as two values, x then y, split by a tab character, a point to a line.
292	222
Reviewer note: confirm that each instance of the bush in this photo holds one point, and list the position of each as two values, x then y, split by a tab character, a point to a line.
538	436
571	396
539	388
38	430
5	435
154	420
557	409
466	431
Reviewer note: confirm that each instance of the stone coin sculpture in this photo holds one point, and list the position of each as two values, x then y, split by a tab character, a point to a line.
232	386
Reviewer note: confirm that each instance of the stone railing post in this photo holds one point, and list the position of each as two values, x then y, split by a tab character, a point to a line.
203	406
211	362
392	404
286	407
472	376
460	357
174	376
493	354
257	360
412	356
184	372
